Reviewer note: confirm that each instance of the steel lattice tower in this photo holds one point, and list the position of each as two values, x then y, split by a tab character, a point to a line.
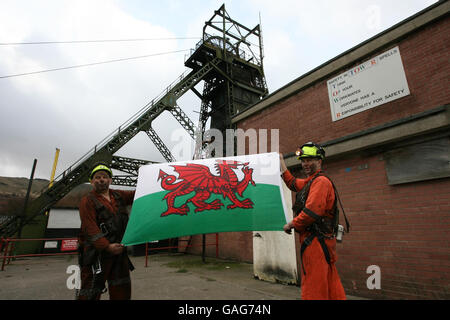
229	61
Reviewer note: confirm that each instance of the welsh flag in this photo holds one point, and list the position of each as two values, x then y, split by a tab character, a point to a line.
177	199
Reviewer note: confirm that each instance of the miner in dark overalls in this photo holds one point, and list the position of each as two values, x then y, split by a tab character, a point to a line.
102	258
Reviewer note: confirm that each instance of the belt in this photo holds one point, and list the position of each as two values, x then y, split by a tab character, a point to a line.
308	241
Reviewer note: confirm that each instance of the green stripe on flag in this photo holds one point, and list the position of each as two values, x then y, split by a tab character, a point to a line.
146	223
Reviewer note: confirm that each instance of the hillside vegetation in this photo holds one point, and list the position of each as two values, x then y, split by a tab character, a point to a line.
13	192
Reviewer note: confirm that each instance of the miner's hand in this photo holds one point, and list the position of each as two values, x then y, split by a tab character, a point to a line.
115	248
288	227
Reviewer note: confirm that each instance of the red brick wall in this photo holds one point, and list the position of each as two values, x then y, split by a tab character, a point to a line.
231	245
306	115
403	229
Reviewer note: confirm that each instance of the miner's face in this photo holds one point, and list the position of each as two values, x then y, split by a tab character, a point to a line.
311	165
101	181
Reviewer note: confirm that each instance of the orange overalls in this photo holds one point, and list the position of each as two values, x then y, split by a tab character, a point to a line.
320	279
115	268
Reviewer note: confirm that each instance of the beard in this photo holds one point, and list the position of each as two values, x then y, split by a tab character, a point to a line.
101	187
310	169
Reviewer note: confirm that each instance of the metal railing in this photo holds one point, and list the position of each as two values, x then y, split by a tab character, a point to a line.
7	246
216	244
217	42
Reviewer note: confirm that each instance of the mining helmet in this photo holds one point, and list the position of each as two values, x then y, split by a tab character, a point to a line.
100	167
310	150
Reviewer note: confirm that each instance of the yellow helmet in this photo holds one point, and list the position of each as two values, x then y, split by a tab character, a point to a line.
310	150
100	167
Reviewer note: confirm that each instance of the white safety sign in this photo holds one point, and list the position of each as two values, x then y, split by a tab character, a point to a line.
375	82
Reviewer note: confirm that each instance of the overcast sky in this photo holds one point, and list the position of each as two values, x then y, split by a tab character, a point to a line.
74	109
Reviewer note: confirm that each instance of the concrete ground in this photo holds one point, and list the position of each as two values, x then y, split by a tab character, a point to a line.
169	276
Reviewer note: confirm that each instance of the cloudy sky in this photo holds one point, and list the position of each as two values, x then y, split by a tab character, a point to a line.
75	108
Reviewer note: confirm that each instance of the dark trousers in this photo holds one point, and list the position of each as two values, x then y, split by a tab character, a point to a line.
115	271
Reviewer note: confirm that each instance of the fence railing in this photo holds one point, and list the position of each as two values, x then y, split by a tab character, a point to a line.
203	244
7	247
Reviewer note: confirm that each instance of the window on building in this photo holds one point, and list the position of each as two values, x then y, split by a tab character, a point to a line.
419	161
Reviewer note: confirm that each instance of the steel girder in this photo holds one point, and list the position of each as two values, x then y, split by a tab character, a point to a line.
104	152
78	173
163	149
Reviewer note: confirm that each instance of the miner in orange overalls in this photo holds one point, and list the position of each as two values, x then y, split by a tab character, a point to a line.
316	219
102	257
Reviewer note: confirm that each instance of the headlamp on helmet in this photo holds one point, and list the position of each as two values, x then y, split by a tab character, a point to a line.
310	150
100	167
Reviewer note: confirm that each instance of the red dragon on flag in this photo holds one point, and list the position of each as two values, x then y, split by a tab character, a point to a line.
199	179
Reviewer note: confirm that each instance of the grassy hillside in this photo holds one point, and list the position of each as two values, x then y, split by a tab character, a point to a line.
13	191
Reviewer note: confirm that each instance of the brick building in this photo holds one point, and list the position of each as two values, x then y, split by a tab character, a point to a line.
390	162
